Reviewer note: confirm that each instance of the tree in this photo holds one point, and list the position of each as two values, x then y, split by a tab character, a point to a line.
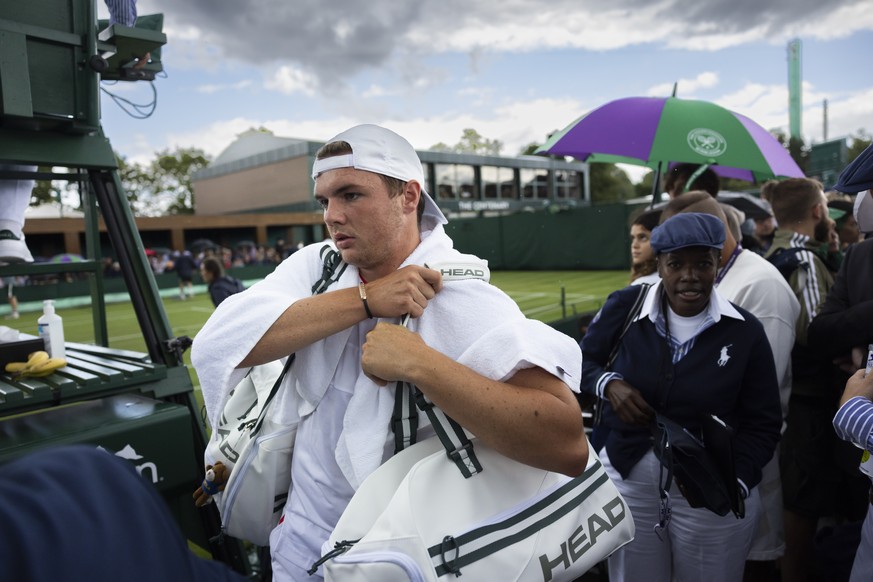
471	143
860	140
798	150
644	187
164	186
609	183
45	191
529	149
133	179
63	192
172	172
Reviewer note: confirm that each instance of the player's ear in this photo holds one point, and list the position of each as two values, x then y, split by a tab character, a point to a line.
411	196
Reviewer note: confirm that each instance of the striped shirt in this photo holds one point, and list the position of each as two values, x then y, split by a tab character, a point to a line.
811	282
122	12
810	293
854	422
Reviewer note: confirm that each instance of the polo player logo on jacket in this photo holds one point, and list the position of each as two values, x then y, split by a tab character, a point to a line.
724	357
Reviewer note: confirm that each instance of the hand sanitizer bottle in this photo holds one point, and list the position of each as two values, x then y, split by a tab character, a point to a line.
51	330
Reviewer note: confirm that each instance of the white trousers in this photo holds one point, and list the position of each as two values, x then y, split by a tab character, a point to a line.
862	569
14	199
769	540
697	545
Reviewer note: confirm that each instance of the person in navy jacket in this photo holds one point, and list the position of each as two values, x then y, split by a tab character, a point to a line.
688	353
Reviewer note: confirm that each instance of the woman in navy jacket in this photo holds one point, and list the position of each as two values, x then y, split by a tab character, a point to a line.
688	353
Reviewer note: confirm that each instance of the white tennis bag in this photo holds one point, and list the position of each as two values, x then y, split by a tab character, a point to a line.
257	451
419	518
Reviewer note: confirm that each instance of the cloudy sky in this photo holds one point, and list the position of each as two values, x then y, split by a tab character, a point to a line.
514	70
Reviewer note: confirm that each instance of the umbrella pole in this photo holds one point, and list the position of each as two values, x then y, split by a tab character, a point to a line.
656	189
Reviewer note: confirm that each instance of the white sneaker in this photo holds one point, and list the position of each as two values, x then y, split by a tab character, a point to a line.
13	249
13	315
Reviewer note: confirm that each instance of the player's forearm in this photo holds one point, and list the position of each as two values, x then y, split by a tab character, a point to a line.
306	322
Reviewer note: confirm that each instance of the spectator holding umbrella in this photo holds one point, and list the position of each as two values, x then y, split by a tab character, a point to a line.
686	177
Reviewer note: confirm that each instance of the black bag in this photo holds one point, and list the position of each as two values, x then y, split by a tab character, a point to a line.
786	260
703	467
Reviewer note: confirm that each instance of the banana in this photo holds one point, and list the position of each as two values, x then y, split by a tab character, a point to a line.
15	367
37	358
44	368
38	365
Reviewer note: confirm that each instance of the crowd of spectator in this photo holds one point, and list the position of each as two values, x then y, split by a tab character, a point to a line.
241	255
184	263
788	267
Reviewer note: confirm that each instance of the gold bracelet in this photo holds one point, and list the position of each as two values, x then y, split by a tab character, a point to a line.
362	291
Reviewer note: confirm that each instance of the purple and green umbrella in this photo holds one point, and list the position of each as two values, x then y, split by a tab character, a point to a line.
658	131
67	258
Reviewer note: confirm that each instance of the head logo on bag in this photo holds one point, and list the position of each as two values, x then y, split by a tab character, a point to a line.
228	450
579	543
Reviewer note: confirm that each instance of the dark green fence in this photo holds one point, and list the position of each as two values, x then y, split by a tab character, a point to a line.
56	289
593	238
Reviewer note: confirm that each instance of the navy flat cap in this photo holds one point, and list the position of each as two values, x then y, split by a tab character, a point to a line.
857	176
688	229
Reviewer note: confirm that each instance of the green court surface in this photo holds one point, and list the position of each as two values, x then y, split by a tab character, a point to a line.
538	294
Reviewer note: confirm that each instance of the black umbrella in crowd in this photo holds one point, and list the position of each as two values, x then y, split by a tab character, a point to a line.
200	245
752	206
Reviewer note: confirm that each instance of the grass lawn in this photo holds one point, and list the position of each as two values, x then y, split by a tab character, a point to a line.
538	294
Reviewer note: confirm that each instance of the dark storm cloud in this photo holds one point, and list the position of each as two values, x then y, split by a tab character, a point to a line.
334	39
740	15
328	38
727	16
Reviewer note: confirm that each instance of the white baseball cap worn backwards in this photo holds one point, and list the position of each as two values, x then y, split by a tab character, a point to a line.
381	151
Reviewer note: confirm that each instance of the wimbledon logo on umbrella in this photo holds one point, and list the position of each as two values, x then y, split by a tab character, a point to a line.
707	142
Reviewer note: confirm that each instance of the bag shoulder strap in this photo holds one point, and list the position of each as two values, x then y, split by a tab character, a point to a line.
404	419
635	310
273	391
404	423
458	446
331	271
631	316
